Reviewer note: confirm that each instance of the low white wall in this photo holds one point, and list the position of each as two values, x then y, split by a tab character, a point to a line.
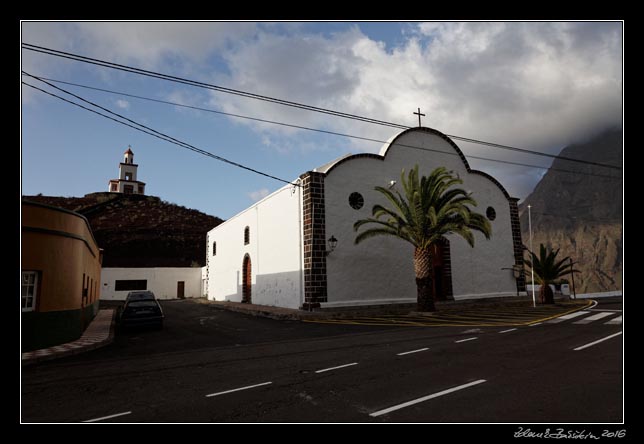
161	281
605	294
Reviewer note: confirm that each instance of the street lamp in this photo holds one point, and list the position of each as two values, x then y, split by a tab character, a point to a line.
534	304
333	242
572	276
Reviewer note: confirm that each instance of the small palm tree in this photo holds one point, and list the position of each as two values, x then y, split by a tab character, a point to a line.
428	210
548	269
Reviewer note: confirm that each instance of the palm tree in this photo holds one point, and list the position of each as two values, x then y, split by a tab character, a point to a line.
428	210
547	270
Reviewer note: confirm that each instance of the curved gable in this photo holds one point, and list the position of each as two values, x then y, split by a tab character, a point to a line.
326	169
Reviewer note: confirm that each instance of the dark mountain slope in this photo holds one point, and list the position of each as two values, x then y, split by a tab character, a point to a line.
141	231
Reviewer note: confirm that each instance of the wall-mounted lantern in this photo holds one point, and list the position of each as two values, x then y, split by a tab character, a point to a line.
333	242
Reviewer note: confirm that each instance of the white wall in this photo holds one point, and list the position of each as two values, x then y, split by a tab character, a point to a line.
274	250
161	281
380	270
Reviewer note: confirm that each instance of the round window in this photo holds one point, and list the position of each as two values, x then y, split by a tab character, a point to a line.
490	213
356	201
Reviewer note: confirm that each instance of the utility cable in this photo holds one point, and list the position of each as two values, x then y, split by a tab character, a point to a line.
317	129
168	77
153	132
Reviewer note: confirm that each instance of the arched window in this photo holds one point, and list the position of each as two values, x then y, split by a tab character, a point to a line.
246	235
214	248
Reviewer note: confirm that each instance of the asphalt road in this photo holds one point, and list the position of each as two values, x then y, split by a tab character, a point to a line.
209	365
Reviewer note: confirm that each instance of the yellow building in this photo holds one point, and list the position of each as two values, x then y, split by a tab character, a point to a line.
60	276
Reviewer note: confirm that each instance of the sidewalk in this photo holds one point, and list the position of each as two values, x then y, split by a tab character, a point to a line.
99	333
281	313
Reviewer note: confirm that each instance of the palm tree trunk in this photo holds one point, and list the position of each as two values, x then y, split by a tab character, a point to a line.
424	287
547	297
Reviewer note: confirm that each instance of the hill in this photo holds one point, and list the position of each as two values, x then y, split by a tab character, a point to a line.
582	213
141	231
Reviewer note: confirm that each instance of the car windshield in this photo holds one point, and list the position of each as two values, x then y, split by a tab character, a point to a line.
141	296
140	304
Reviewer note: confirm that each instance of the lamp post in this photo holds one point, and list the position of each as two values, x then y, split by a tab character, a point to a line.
534	304
572	276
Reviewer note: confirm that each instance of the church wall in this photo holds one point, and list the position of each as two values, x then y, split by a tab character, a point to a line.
162	281
274	250
380	270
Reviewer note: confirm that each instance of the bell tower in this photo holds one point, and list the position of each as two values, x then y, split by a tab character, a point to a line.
127	183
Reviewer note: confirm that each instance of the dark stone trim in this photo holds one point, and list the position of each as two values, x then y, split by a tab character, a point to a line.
314	240
436	133
59	233
131	164
63	210
517	242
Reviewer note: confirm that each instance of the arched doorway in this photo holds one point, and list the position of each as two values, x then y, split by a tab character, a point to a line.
246	280
442	270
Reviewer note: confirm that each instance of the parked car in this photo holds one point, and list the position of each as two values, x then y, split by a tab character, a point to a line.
141	308
142	295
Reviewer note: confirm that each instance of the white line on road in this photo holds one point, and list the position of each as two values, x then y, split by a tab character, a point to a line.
508	331
463	340
595	317
617	320
597	341
568	316
534	325
108	417
238	389
334	368
413	351
425	398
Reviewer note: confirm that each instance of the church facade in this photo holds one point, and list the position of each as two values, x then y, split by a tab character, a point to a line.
295	248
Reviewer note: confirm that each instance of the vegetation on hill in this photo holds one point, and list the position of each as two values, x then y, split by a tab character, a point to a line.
141	231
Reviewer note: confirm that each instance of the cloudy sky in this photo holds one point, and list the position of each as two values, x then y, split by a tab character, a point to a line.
538	86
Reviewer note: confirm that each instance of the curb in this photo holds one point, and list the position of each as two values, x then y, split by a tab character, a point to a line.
80	345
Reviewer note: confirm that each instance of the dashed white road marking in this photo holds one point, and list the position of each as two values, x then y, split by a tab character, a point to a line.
238	389
508	330
335	368
597	341
567	317
615	321
595	317
108	417
413	351
426	398
464	340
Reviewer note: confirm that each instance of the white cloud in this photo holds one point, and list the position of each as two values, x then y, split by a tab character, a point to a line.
258	194
534	85
123	104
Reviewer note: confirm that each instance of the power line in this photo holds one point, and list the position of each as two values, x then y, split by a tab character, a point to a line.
149	130
319	130
246	94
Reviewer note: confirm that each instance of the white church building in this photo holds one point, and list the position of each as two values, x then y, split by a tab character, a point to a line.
295	248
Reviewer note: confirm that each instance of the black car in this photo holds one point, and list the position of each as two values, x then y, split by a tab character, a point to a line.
141	308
